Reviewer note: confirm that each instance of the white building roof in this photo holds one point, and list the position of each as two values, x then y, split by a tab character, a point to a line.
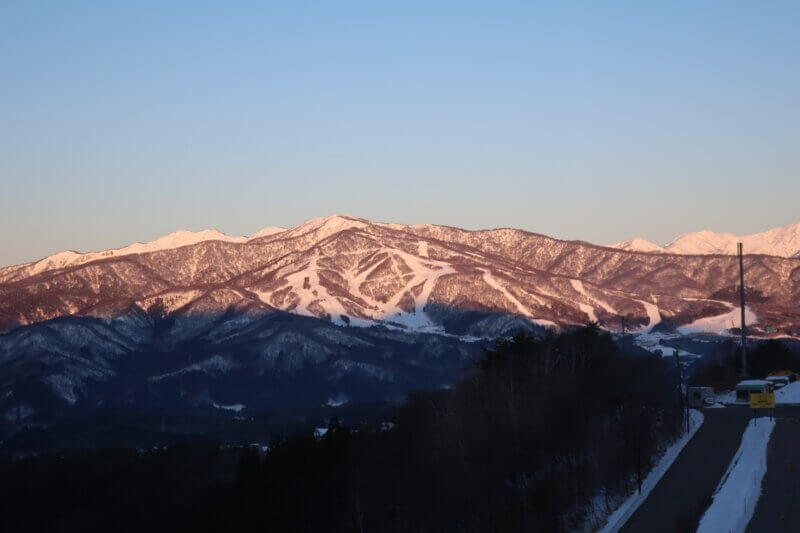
753	383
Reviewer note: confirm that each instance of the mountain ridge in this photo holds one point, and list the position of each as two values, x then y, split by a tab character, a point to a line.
343	307
272	269
175	239
783	241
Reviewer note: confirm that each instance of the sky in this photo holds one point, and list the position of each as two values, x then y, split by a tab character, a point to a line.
124	121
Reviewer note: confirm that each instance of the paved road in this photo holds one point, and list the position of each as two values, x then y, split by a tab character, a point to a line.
778	509
683	494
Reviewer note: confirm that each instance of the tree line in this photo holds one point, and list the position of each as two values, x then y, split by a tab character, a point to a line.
721	368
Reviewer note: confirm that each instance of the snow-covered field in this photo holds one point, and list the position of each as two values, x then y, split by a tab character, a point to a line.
621	515
653	342
719	324
737	494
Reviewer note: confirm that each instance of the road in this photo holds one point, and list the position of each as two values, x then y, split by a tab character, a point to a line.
778	509
683	494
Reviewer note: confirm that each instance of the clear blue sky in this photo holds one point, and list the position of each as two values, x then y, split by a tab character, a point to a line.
123	121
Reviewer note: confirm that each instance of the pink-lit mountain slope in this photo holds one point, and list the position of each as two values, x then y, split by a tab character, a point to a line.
425	278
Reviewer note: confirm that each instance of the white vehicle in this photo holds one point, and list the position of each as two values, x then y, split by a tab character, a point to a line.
701	396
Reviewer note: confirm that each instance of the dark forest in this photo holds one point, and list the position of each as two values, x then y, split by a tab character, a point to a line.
542	434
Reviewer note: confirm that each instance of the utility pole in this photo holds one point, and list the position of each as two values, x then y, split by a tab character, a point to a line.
741	303
683	398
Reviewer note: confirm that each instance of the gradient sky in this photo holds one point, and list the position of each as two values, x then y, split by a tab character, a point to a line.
123	121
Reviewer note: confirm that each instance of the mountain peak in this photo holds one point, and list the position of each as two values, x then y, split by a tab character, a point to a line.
325	226
335	219
637	244
179	238
782	241
266	232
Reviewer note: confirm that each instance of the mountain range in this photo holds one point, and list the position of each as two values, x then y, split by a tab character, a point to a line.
783	241
337	309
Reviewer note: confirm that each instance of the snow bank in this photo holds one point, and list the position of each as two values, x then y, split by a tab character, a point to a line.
737	494
621	515
790	394
726	397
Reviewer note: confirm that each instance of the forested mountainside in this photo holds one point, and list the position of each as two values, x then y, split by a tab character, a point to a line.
360	310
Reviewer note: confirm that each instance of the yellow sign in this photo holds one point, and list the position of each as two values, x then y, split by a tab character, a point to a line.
762	400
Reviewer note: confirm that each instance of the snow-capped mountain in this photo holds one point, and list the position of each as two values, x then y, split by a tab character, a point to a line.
174	240
353	272
343	303
637	244
783	241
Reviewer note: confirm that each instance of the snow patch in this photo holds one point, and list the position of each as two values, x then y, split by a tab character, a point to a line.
493	283
236	407
719	324
589	310
172	301
521	309
19	412
653	315
578	286
425	273
337	401
652	343
789	394
215	363
63	387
